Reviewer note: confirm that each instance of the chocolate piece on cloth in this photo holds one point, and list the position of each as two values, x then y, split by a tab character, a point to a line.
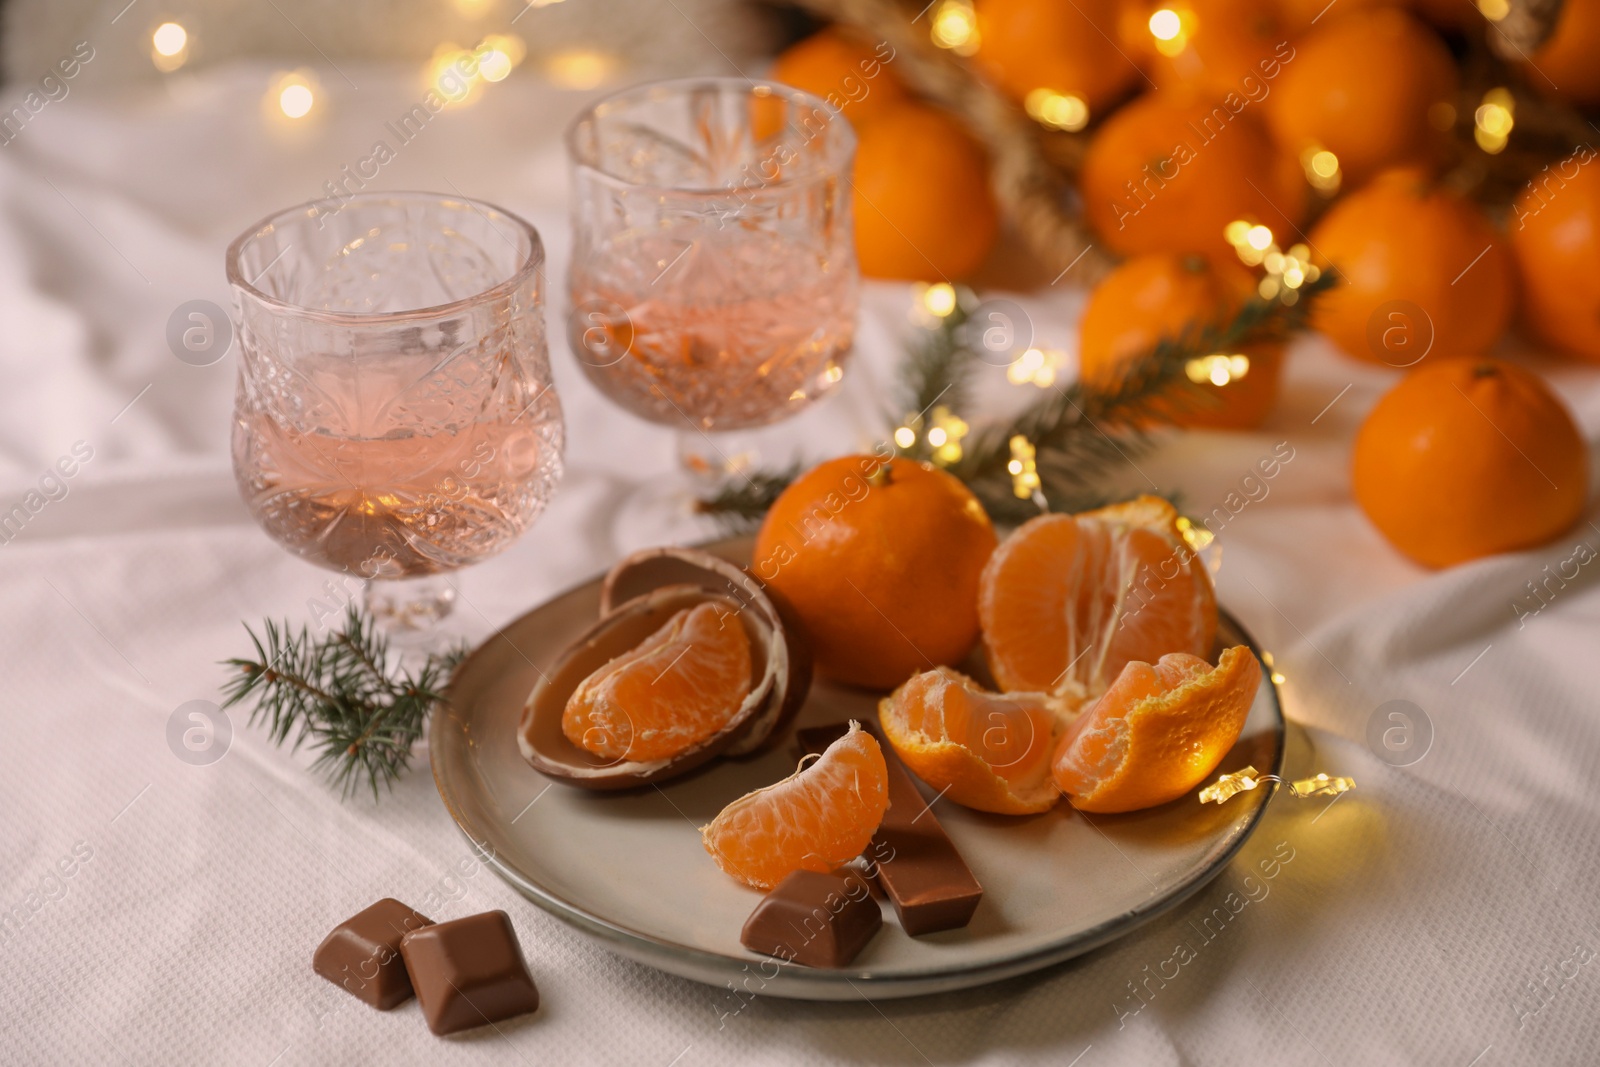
916	863
362	954
469	972
820	920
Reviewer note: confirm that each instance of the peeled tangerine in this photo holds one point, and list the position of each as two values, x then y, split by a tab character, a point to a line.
819	818
1067	601
1158	732
989	751
683	684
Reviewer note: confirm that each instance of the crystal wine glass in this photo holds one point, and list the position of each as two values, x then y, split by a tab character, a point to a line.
395	418
713	282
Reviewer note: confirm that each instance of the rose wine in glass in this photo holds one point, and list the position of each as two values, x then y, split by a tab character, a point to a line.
713	284
394	419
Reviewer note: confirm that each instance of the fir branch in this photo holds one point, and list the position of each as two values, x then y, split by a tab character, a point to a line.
937	372
740	501
343	694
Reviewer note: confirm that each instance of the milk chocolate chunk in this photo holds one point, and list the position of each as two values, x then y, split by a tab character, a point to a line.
469	972
362	954
819	920
916	863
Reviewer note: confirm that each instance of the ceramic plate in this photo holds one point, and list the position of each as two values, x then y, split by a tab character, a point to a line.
628	868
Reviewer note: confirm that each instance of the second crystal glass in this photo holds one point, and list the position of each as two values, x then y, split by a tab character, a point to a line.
714	284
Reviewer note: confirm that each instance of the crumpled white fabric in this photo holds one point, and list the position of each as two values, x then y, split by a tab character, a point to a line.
1444	912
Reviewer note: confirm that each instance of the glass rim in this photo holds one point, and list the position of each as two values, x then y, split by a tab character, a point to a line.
530	265
836	120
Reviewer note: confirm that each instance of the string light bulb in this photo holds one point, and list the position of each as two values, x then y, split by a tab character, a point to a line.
169	47
1322	169
1171	30
1242	781
1036	366
939	299
292	95
955	27
1493	120
1057	111
1024	469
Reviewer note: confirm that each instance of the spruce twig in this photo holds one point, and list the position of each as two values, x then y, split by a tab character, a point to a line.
343	695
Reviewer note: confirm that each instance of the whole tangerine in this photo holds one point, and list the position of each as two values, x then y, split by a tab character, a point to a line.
923	207
1564	65
847	72
880	560
1167	173
1368	87
1163	295
1555	241
1420	269
1468	457
1025	45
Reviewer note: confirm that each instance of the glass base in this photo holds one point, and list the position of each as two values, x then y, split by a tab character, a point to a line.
409	611
711	458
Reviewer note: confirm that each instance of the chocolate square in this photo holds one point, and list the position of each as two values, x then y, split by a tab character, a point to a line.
469	972
911	856
820	920
362	954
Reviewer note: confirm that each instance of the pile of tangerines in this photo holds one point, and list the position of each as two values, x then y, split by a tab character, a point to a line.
1325	127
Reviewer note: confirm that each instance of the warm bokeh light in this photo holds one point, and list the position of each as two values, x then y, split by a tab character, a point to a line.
169	47
296	99
1322	169
955	27
1493	120
1171	30
1494	10
1258	237
169	39
940	299
1058	111
1217	369
1165	24
1036	366
580	68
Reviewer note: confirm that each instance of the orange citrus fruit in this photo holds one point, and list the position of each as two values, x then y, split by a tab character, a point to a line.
680	686
820	817
1420	269
1564	65
1555	240
850	74
1161	295
923	207
1469	457
1068	600
1212	47
1025	45
989	751
1362	87
1167	173
1157	732
880	560
1301	16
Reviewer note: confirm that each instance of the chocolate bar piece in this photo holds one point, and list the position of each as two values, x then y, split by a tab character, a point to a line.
362	954
469	972
929	884
820	920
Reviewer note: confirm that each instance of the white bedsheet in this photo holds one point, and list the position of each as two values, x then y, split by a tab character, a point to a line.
1443	913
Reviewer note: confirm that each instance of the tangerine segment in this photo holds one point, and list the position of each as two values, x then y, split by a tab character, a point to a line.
820	817
682	685
989	751
1157	732
1068	600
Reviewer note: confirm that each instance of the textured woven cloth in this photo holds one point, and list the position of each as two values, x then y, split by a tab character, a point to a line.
156	911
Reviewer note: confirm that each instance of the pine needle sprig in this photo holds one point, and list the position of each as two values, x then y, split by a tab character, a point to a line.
343	694
739	502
